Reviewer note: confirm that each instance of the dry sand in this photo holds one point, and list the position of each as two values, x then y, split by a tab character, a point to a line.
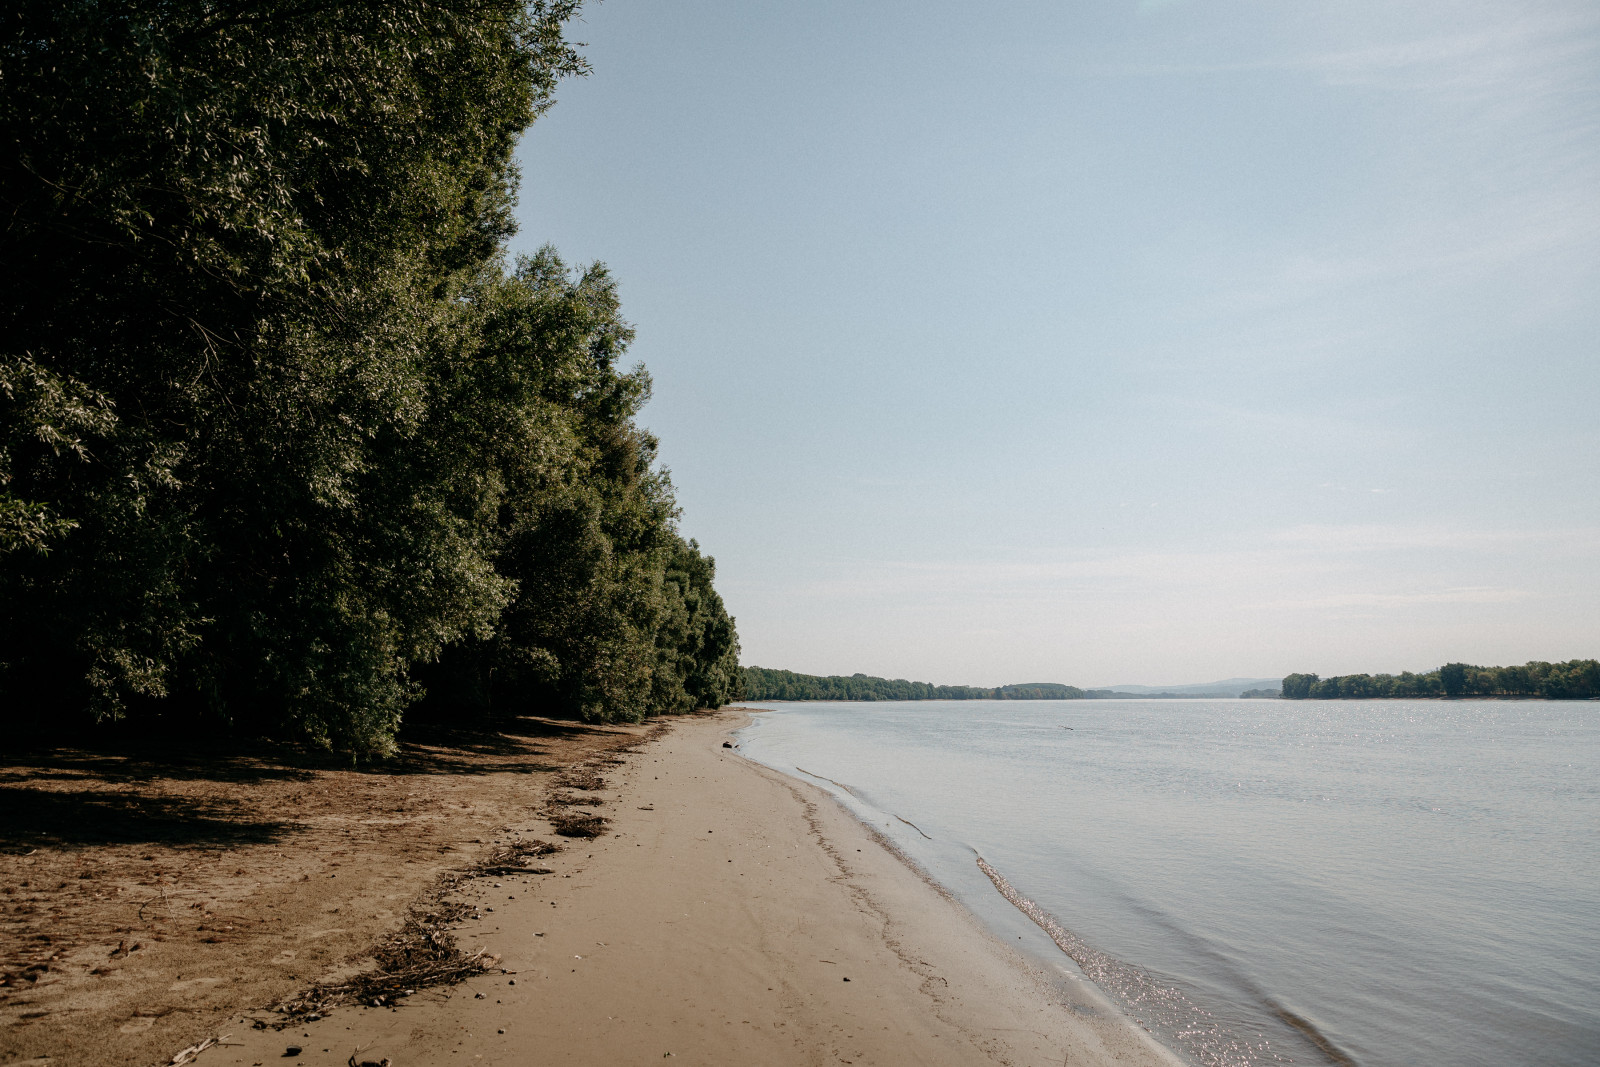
149	893
731	916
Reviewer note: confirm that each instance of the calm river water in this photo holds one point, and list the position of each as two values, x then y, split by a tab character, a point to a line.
1385	883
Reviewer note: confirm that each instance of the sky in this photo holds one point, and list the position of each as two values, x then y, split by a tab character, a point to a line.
1108	341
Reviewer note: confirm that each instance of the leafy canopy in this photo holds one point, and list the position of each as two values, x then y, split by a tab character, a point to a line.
279	433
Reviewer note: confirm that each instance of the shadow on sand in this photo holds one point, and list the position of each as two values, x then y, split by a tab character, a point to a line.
64	796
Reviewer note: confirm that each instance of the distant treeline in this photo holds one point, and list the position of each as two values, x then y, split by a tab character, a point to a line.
766	683
1576	679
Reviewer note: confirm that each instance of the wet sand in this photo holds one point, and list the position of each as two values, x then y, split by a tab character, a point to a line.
731	916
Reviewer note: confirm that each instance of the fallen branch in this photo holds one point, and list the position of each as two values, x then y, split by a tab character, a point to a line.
188	1055
511	856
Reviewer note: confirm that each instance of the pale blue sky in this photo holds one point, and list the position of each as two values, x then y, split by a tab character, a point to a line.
1109	341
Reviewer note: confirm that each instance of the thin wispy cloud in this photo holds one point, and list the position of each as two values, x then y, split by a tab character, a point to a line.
1389	601
1381	538
1522	60
1330	566
1532	55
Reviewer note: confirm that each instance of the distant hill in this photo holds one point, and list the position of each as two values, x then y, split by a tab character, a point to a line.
768	683
1227	687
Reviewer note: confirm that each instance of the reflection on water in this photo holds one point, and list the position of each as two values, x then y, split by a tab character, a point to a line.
1385	882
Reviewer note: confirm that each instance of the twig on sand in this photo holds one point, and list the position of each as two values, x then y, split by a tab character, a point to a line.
913	825
505	872
188	1055
385	1062
507	859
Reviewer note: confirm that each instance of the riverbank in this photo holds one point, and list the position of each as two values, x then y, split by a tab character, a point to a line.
730	916
151	892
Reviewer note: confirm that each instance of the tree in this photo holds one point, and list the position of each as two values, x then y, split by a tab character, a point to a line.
1453	679
276	427
1298	686
697	650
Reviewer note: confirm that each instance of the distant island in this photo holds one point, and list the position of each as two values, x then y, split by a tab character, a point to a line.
1577	679
767	683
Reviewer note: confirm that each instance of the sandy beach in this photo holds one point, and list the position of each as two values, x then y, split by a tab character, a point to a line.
153	891
731	916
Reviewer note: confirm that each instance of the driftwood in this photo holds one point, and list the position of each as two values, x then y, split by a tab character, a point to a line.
507	859
187	1055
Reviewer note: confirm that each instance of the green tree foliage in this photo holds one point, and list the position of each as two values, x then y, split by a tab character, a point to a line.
1038	691
277	429
1573	680
1298	686
766	683
614	615
1452	679
697	651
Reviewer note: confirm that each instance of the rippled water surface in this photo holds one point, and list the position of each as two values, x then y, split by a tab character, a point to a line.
1376	882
